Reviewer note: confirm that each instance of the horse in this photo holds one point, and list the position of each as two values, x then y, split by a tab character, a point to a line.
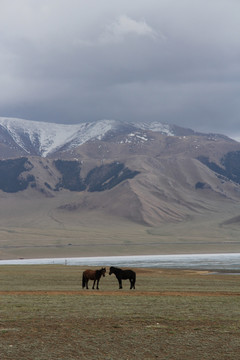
94	275
123	275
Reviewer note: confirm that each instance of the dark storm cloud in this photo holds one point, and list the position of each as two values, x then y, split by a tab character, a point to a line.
166	60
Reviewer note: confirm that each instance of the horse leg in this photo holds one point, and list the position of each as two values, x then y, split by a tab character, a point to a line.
131	284
86	283
93	283
97	284
120	283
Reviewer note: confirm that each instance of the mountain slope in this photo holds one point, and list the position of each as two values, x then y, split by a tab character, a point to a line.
145	173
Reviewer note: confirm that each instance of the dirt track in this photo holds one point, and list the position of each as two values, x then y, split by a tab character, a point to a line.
123	293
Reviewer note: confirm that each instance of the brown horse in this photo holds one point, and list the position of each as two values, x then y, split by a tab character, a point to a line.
94	275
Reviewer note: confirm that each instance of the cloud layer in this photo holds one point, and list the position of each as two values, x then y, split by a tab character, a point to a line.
166	60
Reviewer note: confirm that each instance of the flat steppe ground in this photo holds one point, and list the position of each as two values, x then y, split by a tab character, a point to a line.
38	229
99	236
172	314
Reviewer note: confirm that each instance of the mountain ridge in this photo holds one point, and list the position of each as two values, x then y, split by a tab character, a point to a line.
44	139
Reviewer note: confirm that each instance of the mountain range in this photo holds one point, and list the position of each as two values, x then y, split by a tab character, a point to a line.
146	173
24	137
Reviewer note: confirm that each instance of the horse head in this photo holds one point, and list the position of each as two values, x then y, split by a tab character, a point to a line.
103	271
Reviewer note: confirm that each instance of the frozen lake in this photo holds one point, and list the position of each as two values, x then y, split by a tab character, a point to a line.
194	261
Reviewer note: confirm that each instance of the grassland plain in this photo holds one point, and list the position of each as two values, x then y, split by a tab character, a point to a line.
172	314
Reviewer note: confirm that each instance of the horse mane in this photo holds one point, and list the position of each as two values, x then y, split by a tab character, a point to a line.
100	271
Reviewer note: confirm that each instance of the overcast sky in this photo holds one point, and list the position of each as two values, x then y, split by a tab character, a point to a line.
71	61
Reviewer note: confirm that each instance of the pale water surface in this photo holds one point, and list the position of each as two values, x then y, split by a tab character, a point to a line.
229	261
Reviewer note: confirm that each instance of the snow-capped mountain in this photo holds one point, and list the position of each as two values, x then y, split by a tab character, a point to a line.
155	172
24	137
42	138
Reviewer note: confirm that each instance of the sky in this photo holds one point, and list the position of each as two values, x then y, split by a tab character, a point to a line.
72	61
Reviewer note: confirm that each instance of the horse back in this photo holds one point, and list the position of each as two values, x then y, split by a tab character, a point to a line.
128	274
89	274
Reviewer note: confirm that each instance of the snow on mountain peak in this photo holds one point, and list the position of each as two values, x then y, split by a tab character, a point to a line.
156	127
42	138
48	137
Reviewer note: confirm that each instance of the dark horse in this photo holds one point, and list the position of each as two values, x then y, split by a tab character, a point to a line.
123	275
94	275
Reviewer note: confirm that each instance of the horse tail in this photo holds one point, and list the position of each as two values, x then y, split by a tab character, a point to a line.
83	281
